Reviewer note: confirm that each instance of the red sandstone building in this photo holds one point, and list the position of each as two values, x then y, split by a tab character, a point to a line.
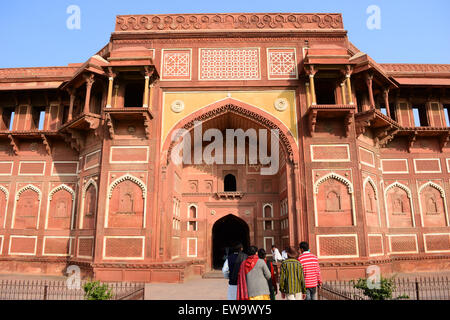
86	176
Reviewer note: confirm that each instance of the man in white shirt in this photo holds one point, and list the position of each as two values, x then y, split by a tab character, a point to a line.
284	255
276	255
231	268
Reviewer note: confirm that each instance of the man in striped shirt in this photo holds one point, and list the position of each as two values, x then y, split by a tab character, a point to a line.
292	282
311	270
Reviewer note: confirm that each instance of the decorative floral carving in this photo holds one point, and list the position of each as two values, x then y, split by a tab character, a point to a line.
177	106
5	191
29	187
61	187
229	21
33	146
401	186
434	185
336	177
127	177
281	104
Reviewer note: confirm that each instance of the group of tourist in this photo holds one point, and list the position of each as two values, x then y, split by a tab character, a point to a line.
251	276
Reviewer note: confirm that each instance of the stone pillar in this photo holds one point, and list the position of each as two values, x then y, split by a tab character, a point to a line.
313	89
386	102
147	84
349	86
308	95
369	83
72	101
344	98
110	91
89	82
116	93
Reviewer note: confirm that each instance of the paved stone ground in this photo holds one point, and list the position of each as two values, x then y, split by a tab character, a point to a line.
195	289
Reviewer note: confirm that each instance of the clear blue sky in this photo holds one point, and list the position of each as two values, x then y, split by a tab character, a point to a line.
34	33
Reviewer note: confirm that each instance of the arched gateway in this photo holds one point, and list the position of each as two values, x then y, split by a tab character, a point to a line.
223	214
225	233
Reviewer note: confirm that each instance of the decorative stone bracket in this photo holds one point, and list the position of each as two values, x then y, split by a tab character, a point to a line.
46	144
115	114
384	128
74	132
442	134
13	144
345	112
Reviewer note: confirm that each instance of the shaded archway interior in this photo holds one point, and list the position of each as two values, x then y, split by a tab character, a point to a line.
231	190
225	233
234	121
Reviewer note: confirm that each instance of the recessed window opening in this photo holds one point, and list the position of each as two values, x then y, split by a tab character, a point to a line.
392	112
325	91
446	113
134	95
230	183
420	116
38	117
8	118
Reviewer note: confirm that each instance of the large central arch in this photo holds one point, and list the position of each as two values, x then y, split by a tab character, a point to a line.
214	113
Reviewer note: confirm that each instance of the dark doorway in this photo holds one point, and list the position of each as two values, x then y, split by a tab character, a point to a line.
134	95
325	91
225	233
230	184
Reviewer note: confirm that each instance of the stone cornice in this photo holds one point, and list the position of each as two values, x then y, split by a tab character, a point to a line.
228	21
40	74
415	68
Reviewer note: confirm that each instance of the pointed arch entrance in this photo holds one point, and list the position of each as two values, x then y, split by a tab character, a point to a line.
204	185
225	233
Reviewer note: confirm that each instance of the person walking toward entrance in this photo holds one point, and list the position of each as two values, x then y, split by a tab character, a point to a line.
231	268
273	280
311	270
276	255
284	255
253	277
292	282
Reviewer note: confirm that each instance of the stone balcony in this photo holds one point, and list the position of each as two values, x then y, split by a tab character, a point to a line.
335	111
230	195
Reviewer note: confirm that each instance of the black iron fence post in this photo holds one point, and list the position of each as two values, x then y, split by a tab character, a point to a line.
45	292
417	290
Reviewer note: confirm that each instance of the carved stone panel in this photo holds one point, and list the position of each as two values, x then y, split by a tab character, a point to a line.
126	206
371	206
27	210
60	210
432	203
334	204
399	208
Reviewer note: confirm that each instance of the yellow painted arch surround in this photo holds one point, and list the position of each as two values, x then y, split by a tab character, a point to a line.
194	101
